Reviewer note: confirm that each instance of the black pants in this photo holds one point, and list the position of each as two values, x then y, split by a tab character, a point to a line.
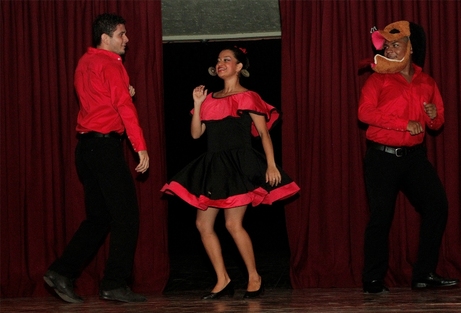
386	175
111	206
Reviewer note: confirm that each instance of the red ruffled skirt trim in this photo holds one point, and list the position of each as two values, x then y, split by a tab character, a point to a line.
254	197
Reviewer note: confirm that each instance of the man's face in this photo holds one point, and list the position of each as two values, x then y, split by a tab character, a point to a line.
117	43
396	49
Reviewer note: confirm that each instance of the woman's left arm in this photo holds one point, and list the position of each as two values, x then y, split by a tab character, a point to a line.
273	176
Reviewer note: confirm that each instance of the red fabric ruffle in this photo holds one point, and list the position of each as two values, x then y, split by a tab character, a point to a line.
254	197
214	109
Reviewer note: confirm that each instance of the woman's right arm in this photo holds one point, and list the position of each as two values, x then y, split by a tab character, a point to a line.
197	128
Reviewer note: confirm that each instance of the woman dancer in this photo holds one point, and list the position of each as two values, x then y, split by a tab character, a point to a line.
231	174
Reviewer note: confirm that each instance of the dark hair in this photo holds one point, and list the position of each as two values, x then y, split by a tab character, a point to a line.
105	23
240	56
418	43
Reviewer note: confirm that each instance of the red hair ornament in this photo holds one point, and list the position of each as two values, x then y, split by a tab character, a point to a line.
244	51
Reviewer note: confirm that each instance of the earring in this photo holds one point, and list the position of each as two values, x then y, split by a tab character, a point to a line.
212	71
245	73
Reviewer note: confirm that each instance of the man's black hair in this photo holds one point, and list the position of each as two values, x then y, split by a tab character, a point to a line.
105	23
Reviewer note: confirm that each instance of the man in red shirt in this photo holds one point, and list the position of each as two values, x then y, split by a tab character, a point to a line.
106	113
398	103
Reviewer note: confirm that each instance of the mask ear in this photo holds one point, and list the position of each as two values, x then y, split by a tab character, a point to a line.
418	42
378	40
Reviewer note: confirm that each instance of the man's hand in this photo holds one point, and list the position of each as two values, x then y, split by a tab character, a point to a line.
414	128
132	91
143	162
430	109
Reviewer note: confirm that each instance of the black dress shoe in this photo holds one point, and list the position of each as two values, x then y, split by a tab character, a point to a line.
432	280
228	290
123	294
375	287
254	294
62	286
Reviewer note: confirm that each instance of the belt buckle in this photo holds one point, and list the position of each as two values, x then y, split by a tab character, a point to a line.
399	152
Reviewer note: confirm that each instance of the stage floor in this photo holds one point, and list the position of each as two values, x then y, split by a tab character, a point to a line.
191	276
274	300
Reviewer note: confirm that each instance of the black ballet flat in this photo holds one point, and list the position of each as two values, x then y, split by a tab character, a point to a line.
228	290
254	294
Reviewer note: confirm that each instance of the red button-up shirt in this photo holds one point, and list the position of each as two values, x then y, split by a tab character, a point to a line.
388	102
102	82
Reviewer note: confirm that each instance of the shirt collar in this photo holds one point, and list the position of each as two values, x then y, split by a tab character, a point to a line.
111	54
417	69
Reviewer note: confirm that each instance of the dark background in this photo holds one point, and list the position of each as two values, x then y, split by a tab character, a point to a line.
186	66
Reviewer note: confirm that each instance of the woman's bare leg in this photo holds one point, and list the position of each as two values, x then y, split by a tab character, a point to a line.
234	219
205	224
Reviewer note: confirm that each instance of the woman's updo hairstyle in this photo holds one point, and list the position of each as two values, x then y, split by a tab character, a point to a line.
240	55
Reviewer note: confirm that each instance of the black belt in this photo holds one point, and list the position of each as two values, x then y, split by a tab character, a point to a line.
89	135
397	151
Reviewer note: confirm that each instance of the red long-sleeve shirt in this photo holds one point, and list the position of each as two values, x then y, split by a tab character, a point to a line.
388	102
102	82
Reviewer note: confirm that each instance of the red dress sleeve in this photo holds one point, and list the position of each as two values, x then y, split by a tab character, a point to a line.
235	105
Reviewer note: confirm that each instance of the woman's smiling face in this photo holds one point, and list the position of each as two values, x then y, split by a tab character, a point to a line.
227	64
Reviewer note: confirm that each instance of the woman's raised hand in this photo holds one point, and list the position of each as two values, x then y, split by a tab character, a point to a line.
199	94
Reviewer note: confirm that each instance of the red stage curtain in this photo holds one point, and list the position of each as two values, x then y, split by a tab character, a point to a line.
324	144
41	196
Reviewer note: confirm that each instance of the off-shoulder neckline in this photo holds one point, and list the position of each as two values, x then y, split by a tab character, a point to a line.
234	94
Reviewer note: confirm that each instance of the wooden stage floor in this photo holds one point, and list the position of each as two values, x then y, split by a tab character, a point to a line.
191	276
274	300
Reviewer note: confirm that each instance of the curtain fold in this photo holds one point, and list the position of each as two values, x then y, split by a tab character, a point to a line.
41	196
324	143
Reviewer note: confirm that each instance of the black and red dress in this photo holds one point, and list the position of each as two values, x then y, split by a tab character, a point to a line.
231	173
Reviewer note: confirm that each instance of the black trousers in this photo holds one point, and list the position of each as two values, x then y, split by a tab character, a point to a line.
111	206
413	174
